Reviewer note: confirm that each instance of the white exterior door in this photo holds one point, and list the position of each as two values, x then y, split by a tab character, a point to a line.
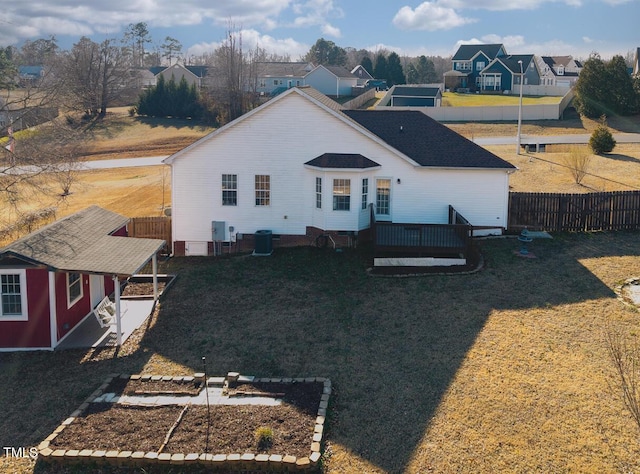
96	287
383	199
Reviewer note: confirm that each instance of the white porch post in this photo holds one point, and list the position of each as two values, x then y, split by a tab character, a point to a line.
154	264
53	317
116	283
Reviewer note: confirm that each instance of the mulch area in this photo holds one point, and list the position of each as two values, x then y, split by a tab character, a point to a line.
141	288
231	429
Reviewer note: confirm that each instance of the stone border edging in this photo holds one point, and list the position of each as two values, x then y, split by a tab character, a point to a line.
234	461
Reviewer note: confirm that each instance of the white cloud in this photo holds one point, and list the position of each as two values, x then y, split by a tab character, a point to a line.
329	30
430	16
587	40
500	5
252	38
317	13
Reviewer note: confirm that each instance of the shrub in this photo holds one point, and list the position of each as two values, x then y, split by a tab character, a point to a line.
264	437
602	140
578	160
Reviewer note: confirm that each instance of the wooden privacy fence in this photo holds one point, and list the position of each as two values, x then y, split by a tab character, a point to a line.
557	212
151	228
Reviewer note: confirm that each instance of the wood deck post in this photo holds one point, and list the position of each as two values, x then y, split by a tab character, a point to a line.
154	264
116	284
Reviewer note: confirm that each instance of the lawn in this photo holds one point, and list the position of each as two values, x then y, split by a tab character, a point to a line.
502	370
455	99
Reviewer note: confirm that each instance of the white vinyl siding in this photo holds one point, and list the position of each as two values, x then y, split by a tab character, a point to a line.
254	145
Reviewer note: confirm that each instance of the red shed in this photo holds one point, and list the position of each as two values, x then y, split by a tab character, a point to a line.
51	279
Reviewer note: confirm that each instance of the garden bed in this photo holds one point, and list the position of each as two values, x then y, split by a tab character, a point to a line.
141	286
144	420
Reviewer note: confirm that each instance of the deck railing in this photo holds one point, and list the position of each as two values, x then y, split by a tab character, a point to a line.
422	240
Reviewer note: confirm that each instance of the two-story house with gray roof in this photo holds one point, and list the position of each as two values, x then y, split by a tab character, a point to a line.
468	62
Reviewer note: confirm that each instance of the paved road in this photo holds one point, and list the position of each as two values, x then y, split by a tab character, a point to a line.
123	163
549	139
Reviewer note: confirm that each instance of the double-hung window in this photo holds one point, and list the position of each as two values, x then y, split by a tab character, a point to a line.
229	189
318	193
263	190
341	194
365	192
13	298
74	288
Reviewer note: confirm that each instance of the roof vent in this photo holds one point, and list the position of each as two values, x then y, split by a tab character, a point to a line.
401	129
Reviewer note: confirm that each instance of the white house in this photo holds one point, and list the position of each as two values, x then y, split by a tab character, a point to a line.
300	166
335	81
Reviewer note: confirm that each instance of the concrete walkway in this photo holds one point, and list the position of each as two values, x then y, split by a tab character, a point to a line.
89	334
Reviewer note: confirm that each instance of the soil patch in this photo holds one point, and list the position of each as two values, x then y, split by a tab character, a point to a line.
231	428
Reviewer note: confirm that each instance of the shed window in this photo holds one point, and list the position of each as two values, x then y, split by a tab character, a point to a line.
13	297
74	288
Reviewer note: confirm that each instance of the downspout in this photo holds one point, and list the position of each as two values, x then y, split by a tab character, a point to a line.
53	316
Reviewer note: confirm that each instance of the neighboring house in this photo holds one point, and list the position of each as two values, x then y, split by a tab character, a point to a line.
415	96
361	74
193	74
300	166
504	73
558	71
332	81
30	75
468	62
276	77
52	278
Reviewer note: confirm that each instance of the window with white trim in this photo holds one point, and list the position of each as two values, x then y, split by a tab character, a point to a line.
480	65
263	190
74	288
341	194
229	189
383	197
318	193
13	295
365	192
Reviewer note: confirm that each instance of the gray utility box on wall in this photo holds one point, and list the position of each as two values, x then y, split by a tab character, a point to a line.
264	242
218	231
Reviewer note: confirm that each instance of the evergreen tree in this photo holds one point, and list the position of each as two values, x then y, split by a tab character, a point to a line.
622	98
426	70
412	74
395	72
367	64
381	69
602	140
326	53
592	88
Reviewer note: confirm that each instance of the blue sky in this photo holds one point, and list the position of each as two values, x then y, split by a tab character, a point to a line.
409	27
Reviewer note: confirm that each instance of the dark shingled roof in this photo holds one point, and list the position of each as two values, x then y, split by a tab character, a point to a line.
468	51
82	242
415	91
426	141
342	160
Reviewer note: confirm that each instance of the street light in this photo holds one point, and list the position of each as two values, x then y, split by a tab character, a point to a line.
520	109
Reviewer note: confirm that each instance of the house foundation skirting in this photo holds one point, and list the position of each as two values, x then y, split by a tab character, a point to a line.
313	237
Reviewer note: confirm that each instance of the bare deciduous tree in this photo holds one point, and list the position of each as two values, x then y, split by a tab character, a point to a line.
625	355
577	161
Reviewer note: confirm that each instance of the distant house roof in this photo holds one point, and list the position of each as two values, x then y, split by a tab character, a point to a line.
30	71
82	242
416	91
467	52
555	61
283	69
360	72
405	130
511	62
342	160
198	71
340	71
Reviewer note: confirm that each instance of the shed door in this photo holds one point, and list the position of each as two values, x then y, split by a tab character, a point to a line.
96	287
383	199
